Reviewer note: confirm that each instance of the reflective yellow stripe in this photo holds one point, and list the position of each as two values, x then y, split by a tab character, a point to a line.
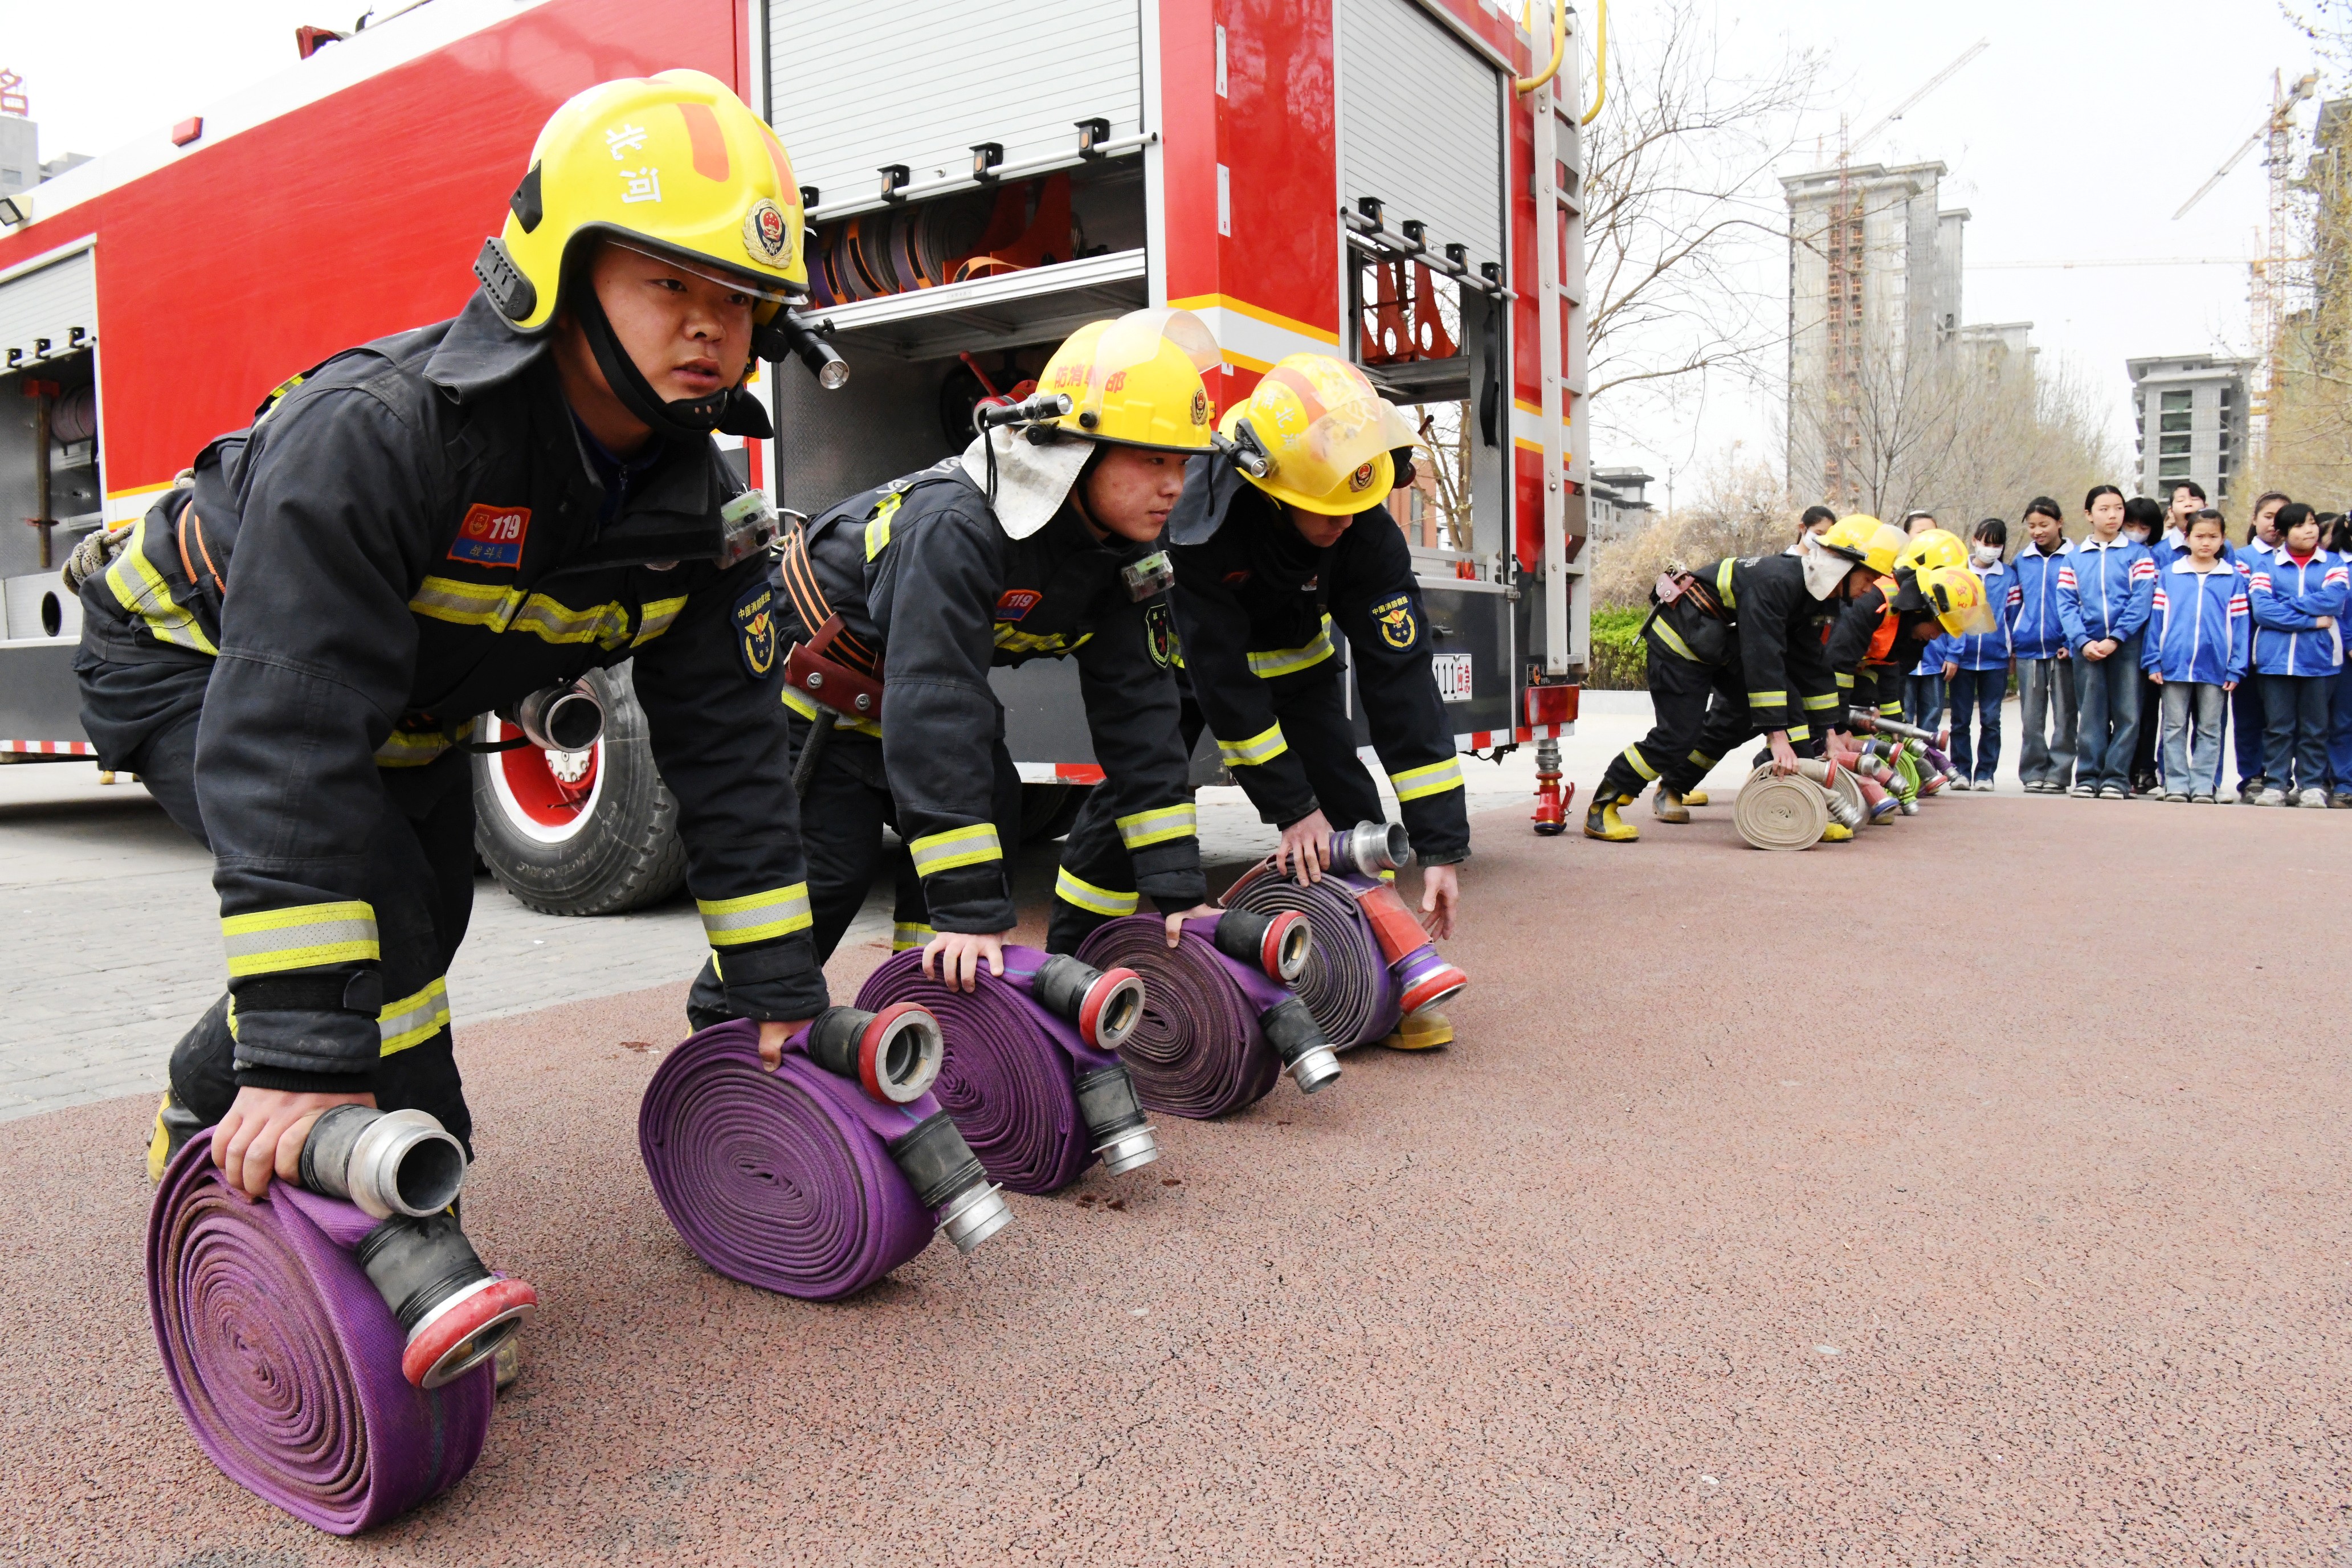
755	917
607	625
415	747
1673	639
1722	582
1256	751
1266	664
657	618
1077	891
973	845
487	606
909	933
806	708
1801	732
465	604
1145	829
1768	700
1013	639
300	937
1846	682
1702	758
416	1018
1633	756
877	527
1413	783
1826	700
139	588
1890	710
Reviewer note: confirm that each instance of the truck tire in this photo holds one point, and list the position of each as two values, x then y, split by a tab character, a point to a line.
585	833
1048	810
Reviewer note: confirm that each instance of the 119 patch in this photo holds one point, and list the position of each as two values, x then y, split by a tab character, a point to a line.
755	631
492	535
1015	603
1399	627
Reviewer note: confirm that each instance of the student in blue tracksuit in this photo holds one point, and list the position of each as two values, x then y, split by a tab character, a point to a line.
2339	716
2246	702
2298	597
2195	649
2046	675
1978	664
2145	524
2103	591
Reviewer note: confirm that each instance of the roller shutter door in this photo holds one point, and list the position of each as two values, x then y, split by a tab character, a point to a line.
857	86
1420	125
48	302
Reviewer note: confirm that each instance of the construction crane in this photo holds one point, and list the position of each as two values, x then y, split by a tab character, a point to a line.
1939	79
2271	126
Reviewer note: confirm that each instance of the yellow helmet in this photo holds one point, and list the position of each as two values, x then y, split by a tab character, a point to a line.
1957	596
1135	381
673	164
1933	547
1324	434
1862	537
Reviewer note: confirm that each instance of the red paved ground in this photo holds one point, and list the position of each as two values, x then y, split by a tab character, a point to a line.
1682	1256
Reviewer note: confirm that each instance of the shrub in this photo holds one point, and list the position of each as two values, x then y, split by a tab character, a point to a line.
1618	660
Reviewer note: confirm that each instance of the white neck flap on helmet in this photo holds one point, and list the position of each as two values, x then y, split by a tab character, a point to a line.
1033	477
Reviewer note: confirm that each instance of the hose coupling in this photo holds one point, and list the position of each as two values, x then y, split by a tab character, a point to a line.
566	717
1424	979
948	1179
1301	1043
1103	1005
455	1312
1123	1141
384	1163
1276	944
1369	848
895	1054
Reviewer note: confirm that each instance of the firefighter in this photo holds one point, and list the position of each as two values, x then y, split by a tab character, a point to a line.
1037	543
432	527
1268	566
1881	629
1736	647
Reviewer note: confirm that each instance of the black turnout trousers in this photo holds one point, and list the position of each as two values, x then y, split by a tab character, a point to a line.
1673	752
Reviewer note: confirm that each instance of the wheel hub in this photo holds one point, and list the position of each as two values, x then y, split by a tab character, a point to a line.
570	768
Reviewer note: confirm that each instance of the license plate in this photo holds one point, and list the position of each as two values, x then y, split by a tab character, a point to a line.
1452	672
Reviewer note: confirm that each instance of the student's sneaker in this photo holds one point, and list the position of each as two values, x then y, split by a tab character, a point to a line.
2314	797
2203	797
2271	797
1985	784
2250	792
2174	794
2113	792
2085	791
1962	784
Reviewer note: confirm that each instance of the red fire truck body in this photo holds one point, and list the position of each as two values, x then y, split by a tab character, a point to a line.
1360	177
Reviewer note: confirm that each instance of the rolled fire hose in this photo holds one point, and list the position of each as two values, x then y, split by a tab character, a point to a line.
1218	1028
1777	811
286	1359
810	1181
1030	1075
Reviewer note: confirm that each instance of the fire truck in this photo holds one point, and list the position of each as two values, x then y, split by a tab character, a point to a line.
1395	180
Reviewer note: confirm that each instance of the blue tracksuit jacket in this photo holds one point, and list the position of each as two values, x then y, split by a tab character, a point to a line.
2288	597
2034	629
2199	627
1992	650
2104	591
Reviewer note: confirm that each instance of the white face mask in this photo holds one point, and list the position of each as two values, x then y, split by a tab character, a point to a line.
1984	555
2137	535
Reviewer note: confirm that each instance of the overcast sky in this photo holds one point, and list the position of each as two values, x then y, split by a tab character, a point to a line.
2073	138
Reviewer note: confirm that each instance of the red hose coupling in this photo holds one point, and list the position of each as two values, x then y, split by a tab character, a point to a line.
1112	1007
466	1331
1425	979
895	1054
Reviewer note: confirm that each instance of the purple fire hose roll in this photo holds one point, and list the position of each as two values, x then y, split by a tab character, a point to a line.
1010	1077
1346	984
285	1359
783	1179
1198	1051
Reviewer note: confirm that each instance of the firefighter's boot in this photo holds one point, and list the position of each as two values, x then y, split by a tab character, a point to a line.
1694	798
1669	806
1836	833
174	1125
1601	820
1427	1031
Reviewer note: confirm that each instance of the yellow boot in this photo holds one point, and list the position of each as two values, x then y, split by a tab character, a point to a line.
174	1127
1694	797
1669	806
1836	833
1423	1031
1601	820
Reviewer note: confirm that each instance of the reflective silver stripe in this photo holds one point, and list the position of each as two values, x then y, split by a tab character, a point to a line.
1415	784
465	604
957	847
1145	829
1075	889
301	937
416	1018
139	588
658	615
755	917
1633	756
1269	663
1256	751
909	933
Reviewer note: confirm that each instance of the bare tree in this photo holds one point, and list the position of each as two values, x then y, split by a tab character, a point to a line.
1741	509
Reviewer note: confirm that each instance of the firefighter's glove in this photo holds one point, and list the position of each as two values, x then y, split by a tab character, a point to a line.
95	554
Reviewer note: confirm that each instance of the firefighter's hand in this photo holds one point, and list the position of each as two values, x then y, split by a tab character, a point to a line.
1309	840
772	1036
263	1132
1784	755
959	954
1441	896
1197	913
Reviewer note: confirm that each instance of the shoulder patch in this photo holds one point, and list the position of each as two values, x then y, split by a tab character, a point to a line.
1400	628
1159	634
755	630
492	535
1015	603
1235	579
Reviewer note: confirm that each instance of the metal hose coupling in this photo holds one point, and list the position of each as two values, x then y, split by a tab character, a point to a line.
1276	944
1845	808
1305	1050
565	717
948	1179
1103	1005
1423	979
455	1312
1114	1117
896	1053
383	1162
1369	848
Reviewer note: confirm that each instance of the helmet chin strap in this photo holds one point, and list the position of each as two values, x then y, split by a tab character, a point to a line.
731	409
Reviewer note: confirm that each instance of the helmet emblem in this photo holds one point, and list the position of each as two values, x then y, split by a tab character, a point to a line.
1200	405
1361	480
766	234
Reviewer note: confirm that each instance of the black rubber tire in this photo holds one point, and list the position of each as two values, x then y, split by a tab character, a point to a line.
1048	810
628	855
